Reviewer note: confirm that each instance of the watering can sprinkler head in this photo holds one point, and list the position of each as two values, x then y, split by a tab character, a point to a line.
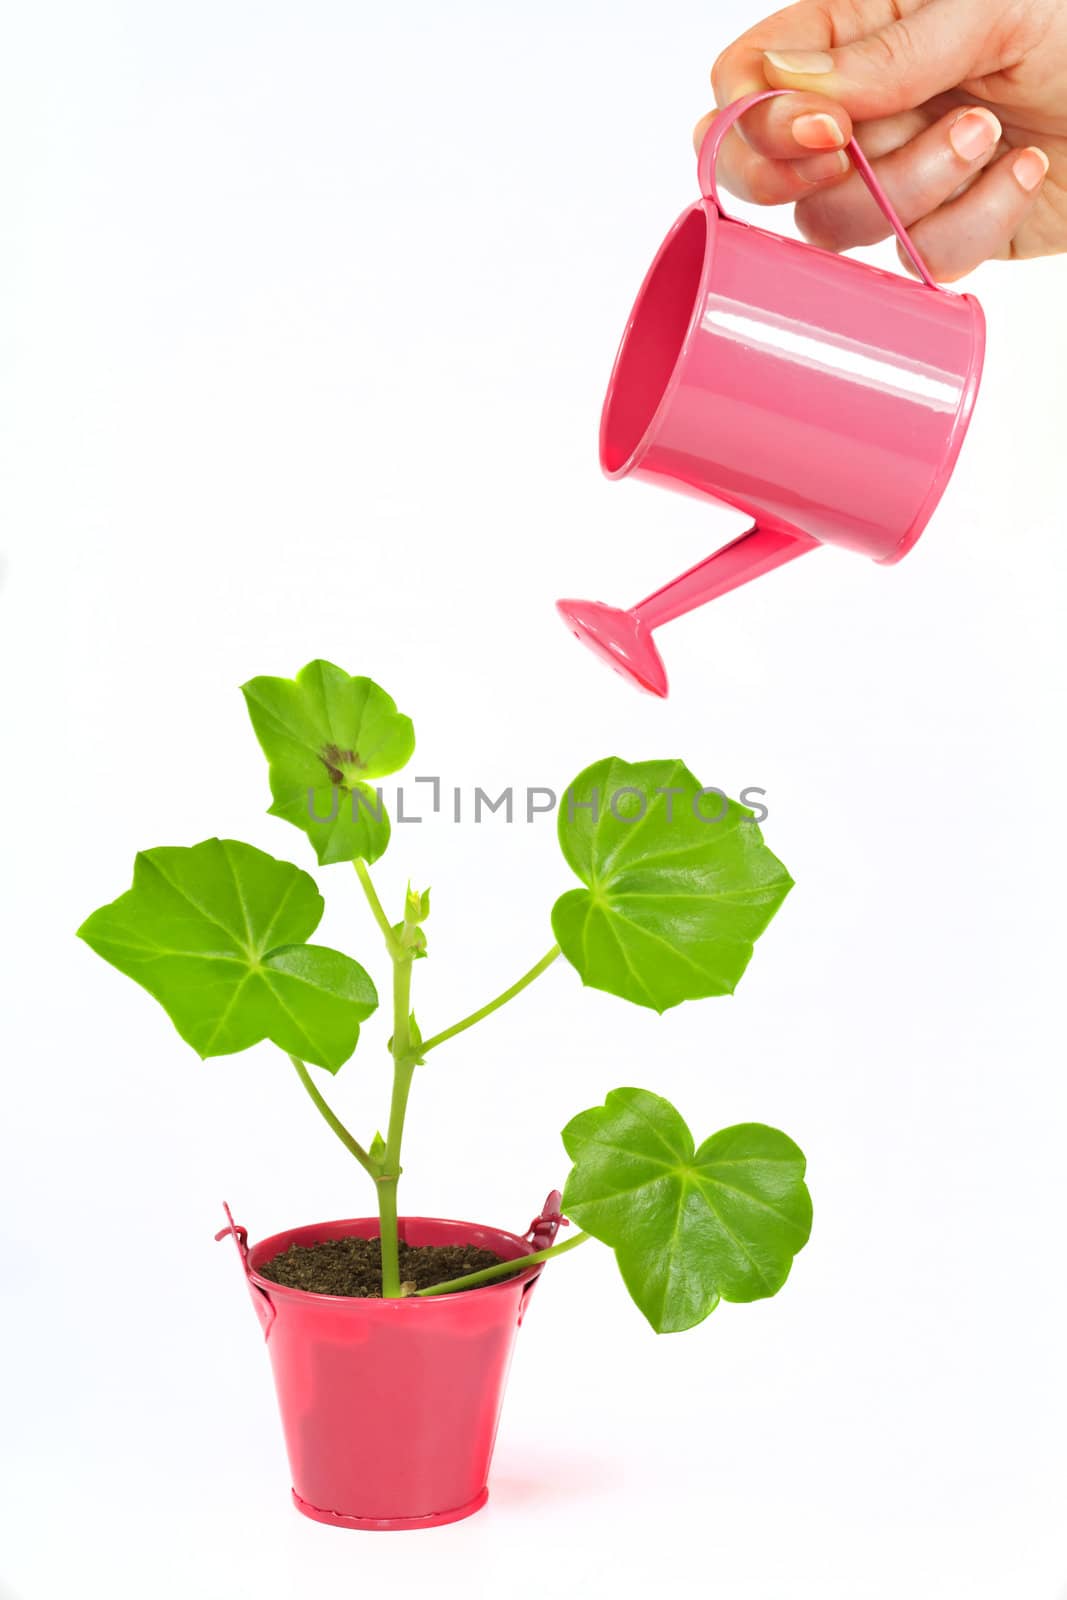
620	638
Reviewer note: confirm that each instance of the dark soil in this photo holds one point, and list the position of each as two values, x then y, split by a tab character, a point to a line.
353	1266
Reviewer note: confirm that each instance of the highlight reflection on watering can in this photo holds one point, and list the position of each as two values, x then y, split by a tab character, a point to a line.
825	398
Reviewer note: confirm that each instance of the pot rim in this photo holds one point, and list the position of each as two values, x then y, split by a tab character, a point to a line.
377	1305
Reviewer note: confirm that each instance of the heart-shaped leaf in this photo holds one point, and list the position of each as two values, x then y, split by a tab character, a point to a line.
688	1226
679	884
326	736
216	933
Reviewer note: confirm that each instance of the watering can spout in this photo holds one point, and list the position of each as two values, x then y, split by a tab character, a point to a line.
624	638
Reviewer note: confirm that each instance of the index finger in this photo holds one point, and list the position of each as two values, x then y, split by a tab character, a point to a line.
790	127
812	25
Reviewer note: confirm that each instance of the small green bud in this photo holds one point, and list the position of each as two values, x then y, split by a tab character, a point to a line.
416	905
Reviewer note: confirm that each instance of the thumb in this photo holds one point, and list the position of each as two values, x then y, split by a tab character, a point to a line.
920	55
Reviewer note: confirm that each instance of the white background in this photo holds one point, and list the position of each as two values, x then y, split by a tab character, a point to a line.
306	317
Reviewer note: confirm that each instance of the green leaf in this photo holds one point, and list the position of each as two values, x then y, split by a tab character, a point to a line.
688	1226
326	737
216	932
673	902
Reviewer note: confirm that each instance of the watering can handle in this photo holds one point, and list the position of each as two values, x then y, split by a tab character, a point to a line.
725	120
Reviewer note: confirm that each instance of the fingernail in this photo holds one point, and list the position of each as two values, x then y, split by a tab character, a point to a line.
1029	167
816	169
818	130
802	63
974	134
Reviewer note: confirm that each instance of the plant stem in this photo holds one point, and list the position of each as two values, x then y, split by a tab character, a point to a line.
401	948
502	1268
388	1182
403	1072
387	1173
494	1005
377	908
350	1143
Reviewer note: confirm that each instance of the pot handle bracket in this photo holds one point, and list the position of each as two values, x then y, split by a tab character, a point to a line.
543	1229
725	120
539	1235
261	1301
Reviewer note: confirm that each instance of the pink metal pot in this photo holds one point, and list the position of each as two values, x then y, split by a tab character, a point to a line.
825	398
390	1407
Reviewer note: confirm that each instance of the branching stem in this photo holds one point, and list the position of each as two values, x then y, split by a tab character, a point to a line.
472	1279
493	1005
350	1143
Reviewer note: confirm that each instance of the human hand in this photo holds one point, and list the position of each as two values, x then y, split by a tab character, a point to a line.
961	106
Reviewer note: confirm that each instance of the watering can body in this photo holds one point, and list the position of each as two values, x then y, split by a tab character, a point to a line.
825	398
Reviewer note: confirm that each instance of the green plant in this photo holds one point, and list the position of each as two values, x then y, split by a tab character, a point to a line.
670	904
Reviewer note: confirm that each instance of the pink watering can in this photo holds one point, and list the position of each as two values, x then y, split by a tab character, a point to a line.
826	399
